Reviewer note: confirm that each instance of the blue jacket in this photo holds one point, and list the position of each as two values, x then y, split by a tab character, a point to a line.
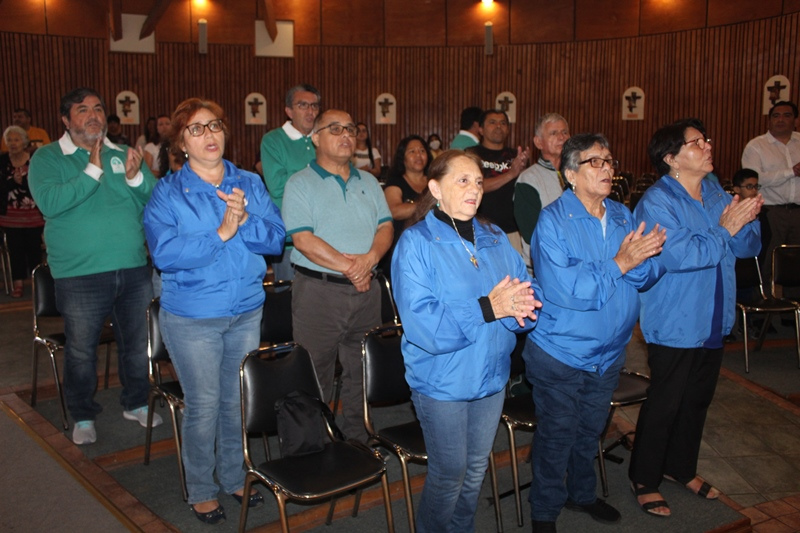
202	276
589	307
677	311
450	352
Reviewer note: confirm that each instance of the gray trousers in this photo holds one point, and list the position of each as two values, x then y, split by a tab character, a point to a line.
329	319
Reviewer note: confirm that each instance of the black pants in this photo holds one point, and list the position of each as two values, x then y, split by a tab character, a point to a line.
670	425
25	250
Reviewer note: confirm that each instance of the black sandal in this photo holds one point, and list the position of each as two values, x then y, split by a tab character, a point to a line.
703	491
648	507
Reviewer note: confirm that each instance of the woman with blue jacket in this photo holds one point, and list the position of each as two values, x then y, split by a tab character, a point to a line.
688	312
462	292
208	226
591	260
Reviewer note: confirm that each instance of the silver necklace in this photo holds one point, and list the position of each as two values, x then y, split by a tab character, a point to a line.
472	258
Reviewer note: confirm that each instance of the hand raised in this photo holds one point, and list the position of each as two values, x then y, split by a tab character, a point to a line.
638	246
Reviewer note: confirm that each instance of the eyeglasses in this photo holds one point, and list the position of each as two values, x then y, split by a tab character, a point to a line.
598	162
303	106
751	186
197	129
338	129
701	142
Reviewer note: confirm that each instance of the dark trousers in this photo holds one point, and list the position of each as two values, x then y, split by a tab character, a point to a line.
670	425
25	250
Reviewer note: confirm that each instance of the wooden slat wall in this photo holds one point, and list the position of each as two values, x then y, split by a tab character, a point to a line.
714	73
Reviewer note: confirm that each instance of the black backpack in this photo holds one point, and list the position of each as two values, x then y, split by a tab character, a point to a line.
301	422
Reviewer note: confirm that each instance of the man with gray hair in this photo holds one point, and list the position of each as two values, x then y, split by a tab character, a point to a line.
287	150
540	184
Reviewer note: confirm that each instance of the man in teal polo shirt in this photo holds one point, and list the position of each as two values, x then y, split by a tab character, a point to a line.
286	150
341	226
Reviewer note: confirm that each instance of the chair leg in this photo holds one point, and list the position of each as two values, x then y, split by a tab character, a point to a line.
178	447
387	503
331	509
357	503
248	482
148	433
498	516
601	458
797	333
412	526
512	448
59	389
35	375
744	332
108	360
764	329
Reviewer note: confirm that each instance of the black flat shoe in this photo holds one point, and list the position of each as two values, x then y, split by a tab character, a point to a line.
215	516
598	510
256	499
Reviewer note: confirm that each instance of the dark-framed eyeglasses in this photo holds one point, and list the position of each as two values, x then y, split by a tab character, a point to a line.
197	129
303	106
751	186
700	142
598	162
338	129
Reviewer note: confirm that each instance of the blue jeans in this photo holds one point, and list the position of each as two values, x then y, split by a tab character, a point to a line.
572	407
458	439
85	302
206	353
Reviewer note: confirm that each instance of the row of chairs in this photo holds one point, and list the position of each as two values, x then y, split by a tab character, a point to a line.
753	298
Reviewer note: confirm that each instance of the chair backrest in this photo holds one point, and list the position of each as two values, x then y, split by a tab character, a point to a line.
785	266
276	321
388	307
44	292
748	275
156	350
384	370
269	374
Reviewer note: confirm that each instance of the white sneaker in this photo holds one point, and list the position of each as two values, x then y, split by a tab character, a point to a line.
140	415
84	433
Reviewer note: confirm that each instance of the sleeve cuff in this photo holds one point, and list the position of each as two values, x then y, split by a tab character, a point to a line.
136	181
486	309
93	171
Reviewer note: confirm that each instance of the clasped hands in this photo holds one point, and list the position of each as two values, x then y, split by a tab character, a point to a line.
235	213
638	246
739	212
133	162
360	270
514	298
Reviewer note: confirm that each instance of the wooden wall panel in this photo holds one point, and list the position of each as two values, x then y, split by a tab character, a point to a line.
606	19
305	14
22	16
424	25
714	74
176	24
722	12
68	17
352	23
658	16
542	22
137	7
229	21
466	19
791	6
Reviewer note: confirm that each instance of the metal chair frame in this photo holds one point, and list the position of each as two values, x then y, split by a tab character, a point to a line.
169	392
44	305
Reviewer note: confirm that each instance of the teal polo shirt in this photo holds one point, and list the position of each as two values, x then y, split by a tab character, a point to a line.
344	214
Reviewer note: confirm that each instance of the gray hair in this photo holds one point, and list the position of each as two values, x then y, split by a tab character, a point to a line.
303	87
16	129
571	152
546	119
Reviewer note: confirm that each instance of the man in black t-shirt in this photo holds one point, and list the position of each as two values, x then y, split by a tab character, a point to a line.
501	166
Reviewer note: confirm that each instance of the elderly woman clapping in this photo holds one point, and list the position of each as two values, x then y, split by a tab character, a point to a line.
591	259
688	312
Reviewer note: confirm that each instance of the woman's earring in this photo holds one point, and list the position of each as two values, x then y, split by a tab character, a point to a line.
437	203
677	175
186	155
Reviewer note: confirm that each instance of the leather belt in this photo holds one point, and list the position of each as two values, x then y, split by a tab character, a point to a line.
324	276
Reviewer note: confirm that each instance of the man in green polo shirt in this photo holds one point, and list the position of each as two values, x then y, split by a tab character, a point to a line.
286	150
341	226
